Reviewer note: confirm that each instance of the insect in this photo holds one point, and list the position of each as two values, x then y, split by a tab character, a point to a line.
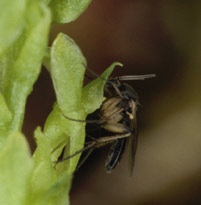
117	116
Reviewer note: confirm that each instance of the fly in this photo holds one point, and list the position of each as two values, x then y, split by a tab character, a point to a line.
118	117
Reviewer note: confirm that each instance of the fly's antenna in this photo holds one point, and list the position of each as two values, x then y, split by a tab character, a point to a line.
89	77
136	77
120	78
123	78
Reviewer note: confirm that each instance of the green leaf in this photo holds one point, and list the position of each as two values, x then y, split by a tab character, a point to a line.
46	2
93	92
15	170
12	15
51	182
47	186
67	71
46	59
22	63
5	118
65	11
44	175
4	111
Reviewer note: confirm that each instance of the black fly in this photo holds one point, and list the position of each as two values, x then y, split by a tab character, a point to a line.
118	117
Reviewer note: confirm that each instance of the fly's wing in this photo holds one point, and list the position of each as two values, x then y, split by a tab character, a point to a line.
132	145
116	152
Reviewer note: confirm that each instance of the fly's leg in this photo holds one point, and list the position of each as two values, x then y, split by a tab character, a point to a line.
84	159
96	144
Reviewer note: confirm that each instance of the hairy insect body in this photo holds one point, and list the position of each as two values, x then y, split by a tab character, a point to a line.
117	115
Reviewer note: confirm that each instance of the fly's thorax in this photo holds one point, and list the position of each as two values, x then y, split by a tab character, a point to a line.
129	92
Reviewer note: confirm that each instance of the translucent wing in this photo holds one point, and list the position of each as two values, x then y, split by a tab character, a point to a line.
132	144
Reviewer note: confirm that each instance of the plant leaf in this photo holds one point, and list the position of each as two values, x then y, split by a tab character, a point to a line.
64	62
15	170
67	71
46	186
5	118
11	21
65	11
93	92
22	63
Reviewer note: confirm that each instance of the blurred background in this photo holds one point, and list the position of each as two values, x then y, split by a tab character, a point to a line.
147	36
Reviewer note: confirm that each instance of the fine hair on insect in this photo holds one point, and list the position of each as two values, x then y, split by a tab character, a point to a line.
117	117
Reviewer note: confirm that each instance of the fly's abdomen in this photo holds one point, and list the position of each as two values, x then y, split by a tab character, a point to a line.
116	151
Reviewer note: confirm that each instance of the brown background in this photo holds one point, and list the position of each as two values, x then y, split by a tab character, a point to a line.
147	36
